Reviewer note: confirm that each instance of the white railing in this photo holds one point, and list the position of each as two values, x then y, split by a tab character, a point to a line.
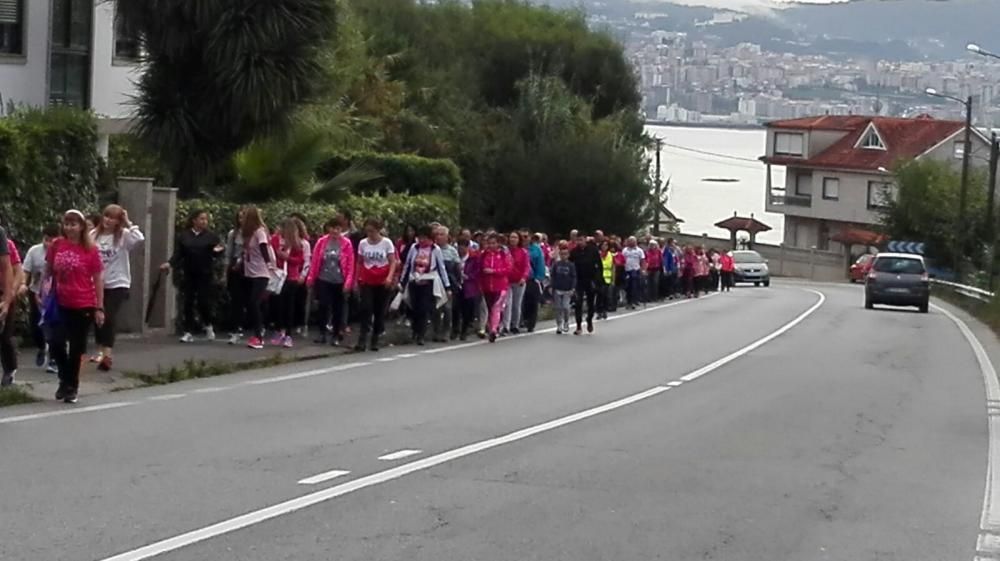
965	290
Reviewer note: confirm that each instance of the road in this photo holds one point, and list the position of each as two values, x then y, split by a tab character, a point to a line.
782	423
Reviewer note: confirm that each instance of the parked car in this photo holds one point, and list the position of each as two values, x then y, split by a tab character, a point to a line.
751	267
898	279
861	267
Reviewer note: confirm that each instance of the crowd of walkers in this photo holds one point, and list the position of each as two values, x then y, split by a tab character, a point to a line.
446	285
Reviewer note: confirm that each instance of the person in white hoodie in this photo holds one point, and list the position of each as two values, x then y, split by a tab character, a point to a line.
114	237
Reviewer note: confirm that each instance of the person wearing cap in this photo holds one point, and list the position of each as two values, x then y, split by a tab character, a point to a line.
76	271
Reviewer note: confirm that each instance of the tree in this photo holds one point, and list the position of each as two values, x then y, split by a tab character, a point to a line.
925	209
221	73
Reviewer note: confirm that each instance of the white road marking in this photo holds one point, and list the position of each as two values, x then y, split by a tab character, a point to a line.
386	359
407	355
988	542
675	383
758	343
306	501
167	397
399	455
306	374
325	476
214	389
66	411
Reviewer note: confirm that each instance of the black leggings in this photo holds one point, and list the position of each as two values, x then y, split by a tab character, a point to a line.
257	290
72	329
331	306
199	293
114	298
8	352
422	301
373	301
237	286
291	295
585	294
532	300
35	319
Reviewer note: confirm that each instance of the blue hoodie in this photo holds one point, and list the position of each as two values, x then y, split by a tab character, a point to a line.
537	261
669	261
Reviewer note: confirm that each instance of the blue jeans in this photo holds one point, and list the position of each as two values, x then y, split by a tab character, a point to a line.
633	286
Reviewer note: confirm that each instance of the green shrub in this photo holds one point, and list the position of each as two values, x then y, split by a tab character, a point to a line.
127	157
403	173
49	164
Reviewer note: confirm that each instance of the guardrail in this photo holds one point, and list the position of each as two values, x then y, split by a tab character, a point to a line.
965	290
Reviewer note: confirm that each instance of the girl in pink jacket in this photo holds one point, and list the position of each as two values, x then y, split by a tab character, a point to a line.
520	269
494	279
332	274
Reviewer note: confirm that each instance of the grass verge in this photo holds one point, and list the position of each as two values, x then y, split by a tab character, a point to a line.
15	395
196	369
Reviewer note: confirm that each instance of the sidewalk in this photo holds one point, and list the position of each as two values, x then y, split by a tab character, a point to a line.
155	354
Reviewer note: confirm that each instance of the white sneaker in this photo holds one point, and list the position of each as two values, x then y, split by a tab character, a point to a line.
209	334
234	339
187	338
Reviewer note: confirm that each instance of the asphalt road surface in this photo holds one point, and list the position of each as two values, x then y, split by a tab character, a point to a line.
766	424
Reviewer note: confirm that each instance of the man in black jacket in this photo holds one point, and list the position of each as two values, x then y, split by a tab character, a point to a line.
587	258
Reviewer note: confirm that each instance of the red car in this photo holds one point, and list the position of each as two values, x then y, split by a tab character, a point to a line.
861	267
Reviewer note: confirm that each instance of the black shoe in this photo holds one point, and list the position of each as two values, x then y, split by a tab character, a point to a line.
578	331
70	397
61	393
373	347
335	341
419	341
514	331
493	337
40	358
590	326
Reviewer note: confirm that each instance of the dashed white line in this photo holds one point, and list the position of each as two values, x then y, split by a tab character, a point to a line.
399	455
675	383
166	397
407	355
214	389
325	476
386	359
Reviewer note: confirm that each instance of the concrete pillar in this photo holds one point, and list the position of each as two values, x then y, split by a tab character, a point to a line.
103	145
135	195
161	247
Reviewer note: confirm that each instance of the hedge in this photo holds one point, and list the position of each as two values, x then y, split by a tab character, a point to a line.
395	210
403	173
48	164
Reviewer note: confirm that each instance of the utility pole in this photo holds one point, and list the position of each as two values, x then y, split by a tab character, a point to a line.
963	192
991	191
657	186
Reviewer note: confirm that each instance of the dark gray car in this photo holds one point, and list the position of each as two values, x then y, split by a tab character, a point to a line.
898	279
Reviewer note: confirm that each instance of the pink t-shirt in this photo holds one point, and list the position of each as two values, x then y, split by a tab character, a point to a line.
254	266
74	268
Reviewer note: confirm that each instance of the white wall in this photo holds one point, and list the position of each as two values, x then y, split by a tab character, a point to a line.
111	80
24	79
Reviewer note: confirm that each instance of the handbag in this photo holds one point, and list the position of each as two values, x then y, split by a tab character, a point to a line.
397	301
50	308
277	280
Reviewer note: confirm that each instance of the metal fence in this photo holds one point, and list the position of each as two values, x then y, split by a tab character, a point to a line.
963	290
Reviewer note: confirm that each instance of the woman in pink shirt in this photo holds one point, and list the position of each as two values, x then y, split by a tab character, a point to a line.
292	251
518	276
258	265
75	269
494	280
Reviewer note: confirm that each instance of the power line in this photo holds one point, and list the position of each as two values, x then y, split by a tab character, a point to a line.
716	154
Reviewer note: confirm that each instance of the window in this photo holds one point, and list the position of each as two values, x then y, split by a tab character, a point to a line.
823	236
126	44
788	144
11	27
899	265
959	149
880	194
69	74
803	185
871	140
831	188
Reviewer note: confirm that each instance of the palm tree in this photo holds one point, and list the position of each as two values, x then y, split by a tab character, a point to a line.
219	74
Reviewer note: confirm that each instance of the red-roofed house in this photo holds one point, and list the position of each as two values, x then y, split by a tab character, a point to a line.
837	171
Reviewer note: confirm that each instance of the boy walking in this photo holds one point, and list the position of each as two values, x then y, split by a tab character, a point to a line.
563	284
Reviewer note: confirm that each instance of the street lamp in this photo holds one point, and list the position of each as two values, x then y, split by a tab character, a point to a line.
963	190
974	48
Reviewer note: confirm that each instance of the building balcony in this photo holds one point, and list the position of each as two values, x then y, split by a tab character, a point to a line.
781	199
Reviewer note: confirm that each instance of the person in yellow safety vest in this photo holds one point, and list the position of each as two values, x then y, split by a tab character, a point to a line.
608	276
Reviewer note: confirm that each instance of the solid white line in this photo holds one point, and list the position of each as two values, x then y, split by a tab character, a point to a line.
758	343
293	505
325	476
306	374
287	507
407	355
386	359
399	455
167	397
88	409
990	520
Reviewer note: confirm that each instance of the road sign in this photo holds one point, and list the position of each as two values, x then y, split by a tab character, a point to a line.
896	246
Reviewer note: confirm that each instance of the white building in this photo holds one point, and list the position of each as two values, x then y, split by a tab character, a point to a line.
66	52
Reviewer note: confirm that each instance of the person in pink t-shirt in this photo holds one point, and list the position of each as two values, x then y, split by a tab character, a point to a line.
75	268
8	352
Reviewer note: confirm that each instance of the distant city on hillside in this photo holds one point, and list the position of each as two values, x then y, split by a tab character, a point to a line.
705	65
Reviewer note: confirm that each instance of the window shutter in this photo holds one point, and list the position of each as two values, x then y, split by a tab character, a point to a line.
9	11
